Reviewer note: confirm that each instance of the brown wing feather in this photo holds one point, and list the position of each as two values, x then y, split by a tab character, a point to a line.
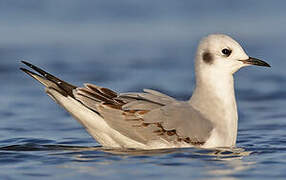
141	116
127	112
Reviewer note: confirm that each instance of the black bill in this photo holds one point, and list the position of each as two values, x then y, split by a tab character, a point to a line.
254	61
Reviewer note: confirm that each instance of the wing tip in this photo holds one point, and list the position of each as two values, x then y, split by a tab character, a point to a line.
25	62
48	79
29	72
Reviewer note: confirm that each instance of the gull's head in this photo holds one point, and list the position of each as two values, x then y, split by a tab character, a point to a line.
221	53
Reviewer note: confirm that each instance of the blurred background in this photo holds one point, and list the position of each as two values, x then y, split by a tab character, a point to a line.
129	45
126	44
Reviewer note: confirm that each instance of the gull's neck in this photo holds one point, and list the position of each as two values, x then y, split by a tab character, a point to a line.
214	97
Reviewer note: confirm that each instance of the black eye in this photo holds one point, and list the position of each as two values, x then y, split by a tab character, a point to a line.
226	52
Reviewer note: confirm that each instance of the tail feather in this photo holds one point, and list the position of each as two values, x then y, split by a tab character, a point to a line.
49	80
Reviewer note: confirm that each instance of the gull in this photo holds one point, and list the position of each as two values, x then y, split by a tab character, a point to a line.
153	120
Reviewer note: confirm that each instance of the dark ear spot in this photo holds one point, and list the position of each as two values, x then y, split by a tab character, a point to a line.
207	57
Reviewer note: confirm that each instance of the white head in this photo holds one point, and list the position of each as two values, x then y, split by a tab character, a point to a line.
218	57
222	54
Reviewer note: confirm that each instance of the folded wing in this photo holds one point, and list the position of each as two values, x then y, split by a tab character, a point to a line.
143	117
146	116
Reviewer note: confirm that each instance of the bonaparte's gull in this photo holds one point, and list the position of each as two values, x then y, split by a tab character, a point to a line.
151	119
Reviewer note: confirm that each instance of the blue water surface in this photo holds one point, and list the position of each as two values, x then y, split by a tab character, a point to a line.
127	46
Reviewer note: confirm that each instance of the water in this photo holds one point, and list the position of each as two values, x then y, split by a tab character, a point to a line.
128	46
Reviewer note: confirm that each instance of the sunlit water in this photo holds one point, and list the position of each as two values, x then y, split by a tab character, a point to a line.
127	47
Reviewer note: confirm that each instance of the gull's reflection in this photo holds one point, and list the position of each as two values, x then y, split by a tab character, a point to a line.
230	158
222	163
219	163
229	161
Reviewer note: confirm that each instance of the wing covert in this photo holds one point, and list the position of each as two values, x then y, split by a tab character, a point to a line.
146	116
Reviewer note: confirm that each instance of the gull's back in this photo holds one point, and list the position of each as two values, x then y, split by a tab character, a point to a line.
149	117
146	120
